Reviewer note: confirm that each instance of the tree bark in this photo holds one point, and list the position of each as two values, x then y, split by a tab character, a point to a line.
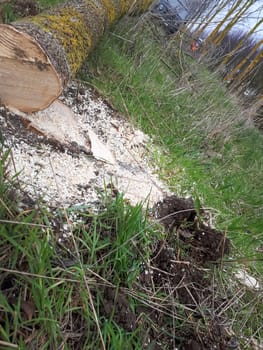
38	55
245	64
242	42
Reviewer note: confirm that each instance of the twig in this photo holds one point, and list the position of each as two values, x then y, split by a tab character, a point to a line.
22	223
121	37
5	343
6	207
23	273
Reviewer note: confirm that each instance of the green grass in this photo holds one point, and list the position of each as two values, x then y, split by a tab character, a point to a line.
207	149
70	293
54	294
42	302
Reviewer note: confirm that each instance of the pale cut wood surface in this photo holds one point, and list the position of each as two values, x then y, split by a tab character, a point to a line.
40	54
28	81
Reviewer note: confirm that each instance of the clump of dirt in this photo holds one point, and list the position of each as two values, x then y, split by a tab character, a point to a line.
173	211
179	217
179	269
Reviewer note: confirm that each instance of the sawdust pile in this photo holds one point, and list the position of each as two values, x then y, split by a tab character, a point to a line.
66	173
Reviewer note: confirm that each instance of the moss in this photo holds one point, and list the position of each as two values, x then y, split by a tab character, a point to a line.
79	26
68	25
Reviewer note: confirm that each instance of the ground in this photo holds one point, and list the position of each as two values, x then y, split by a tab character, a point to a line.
179	264
190	314
185	307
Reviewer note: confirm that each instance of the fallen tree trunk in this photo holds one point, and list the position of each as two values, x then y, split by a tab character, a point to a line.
38	55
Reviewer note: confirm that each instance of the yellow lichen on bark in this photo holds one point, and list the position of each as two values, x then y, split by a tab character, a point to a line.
125	6
65	36
111	11
68	26
78	25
